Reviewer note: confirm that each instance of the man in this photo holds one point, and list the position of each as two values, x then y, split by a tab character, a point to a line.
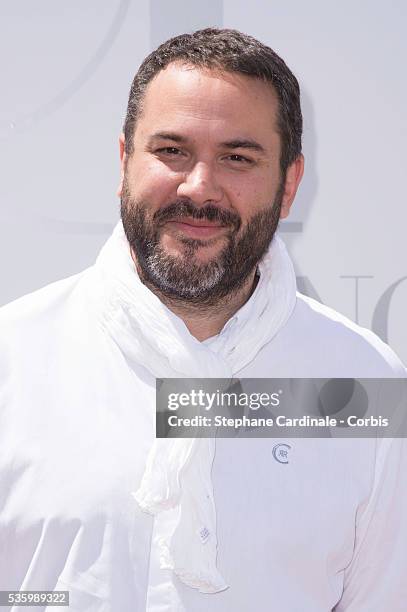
193	283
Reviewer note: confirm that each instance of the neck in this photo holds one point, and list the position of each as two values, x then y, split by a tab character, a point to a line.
205	321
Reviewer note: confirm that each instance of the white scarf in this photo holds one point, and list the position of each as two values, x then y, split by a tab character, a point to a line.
176	486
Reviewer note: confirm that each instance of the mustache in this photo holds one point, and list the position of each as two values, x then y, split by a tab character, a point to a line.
186	208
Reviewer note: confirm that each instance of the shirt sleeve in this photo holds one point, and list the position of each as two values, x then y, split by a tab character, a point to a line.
376	578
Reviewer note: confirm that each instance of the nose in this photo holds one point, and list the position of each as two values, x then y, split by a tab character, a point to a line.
200	185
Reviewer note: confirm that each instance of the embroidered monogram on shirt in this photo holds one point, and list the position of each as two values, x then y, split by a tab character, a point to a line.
280	452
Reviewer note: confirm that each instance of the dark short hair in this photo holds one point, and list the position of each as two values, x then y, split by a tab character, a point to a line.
230	51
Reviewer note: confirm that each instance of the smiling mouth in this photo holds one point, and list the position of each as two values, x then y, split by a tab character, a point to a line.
197	228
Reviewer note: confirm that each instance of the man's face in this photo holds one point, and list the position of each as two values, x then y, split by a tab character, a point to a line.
202	192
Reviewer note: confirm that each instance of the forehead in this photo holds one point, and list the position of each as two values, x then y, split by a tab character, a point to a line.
209	103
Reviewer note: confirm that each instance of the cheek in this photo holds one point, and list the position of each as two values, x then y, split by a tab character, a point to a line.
247	197
152	181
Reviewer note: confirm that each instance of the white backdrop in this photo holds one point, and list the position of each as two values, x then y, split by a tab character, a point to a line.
65	75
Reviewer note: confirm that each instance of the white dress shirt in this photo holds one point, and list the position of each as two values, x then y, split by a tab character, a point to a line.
76	423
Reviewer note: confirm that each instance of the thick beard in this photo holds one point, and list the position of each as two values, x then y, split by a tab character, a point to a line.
183	277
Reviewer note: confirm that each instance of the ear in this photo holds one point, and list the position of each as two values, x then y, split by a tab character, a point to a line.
123	158
292	181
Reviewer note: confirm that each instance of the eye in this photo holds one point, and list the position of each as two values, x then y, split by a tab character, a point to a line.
234	157
171	151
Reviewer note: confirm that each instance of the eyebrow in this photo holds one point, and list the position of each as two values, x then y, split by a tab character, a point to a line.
243	143
168	136
235	143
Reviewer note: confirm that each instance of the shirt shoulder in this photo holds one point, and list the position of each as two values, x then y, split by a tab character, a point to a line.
37	311
318	342
334	337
